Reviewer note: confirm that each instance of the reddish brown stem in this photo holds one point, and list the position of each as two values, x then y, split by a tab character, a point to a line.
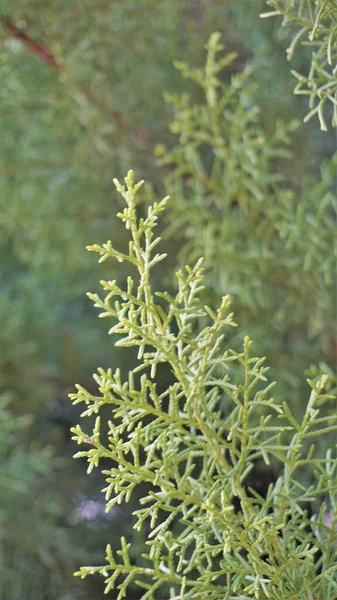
47	56
38	49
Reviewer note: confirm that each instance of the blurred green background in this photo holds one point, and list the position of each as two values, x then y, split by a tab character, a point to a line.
81	103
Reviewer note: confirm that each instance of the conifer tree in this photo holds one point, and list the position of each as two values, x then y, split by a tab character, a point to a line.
79	103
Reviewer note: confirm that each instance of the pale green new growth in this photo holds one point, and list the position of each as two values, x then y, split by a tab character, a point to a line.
194	444
316	21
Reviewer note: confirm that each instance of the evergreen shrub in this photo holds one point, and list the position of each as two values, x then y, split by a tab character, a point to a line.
77	97
196	444
194	448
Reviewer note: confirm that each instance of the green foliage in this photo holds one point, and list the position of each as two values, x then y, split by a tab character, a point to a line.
316	20
268	238
35	554
196	443
82	90
80	112
66	119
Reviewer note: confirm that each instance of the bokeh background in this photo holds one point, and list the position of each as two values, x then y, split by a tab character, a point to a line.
82	102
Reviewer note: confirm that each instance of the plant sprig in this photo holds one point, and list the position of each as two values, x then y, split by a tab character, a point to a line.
195	443
316	21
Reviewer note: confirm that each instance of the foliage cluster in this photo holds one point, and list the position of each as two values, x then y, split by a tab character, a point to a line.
208	533
268	241
316	21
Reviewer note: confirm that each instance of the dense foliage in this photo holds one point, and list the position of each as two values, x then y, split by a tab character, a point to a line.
268	242
196	443
82	100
